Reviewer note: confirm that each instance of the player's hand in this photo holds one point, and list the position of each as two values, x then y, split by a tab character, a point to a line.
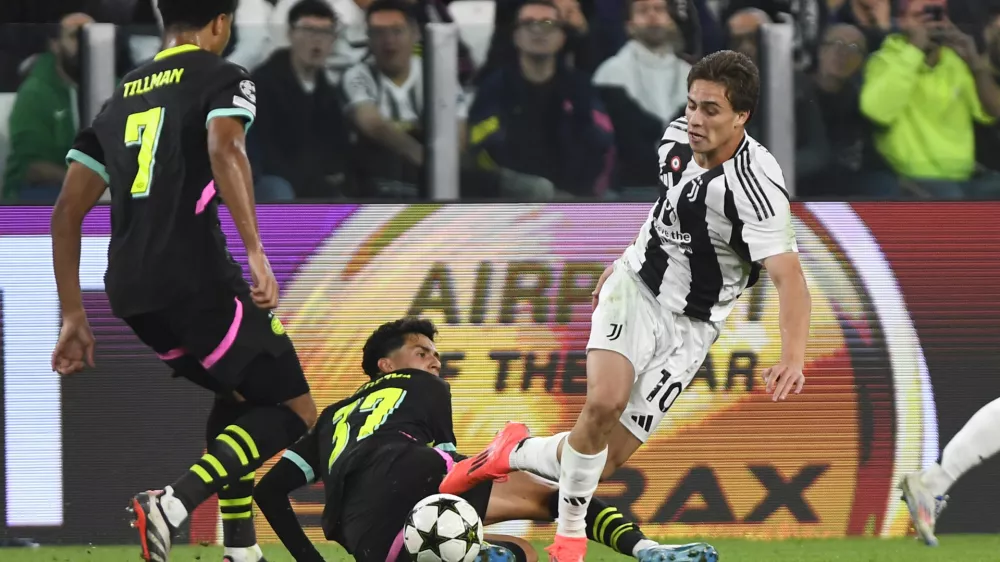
75	348
782	378
265	287
600	283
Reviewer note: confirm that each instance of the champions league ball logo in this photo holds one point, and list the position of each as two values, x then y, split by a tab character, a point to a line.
509	288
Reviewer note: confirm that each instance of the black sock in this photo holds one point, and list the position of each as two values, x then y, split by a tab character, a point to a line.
238	450
236	506
607	525
236	499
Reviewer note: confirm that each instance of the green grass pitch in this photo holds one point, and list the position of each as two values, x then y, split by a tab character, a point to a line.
954	548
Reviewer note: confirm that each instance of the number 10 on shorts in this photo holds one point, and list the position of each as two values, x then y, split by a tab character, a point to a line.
668	396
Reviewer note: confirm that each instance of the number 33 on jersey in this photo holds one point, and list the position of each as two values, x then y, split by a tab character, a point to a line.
407	405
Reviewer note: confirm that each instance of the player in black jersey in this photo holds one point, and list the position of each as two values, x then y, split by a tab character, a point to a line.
388	446
168	142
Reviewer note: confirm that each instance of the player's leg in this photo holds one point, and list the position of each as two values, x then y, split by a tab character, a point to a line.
259	362
681	345
541	455
262	431
236	499
379	496
527	497
925	491
585	450
625	336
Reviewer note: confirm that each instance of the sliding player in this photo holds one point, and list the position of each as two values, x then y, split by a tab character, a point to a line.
371	452
169	137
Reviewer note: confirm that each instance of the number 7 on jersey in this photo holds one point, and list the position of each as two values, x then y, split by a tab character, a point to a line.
143	129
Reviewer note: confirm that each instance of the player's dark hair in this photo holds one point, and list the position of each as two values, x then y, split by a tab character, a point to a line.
189	15
389	337
736	72
310	8
400	6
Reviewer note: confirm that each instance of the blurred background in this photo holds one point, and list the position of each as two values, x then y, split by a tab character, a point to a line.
561	100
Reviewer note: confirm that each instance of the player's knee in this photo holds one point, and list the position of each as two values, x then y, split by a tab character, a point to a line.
603	411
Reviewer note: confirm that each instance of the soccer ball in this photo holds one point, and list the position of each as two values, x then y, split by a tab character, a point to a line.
443	528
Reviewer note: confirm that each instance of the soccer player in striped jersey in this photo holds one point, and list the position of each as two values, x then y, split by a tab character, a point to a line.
723	214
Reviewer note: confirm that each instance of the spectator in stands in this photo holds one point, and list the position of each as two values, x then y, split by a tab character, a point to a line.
248	47
352	38
385	103
45	118
812	147
988	136
809	18
582	53
643	87
579	44
744	30
834	90
299	143
926	88
694	19
872	17
351	45
436	11
540	117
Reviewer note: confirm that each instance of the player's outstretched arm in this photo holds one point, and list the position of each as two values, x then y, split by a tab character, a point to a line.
795	307
82	189
231	170
271	495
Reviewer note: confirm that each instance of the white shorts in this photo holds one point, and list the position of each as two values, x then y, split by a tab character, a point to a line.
666	348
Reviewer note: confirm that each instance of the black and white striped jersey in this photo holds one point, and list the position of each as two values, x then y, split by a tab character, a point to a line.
708	232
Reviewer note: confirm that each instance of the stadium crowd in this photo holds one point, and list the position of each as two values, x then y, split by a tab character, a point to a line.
562	99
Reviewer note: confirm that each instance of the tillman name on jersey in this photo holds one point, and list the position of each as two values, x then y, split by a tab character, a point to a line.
153	81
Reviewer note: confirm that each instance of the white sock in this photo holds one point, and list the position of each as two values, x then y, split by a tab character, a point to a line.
173	508
244	553
643	545
977	441
578	481
539	455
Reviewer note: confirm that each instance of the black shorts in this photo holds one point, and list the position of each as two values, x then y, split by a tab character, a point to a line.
227	345
379	497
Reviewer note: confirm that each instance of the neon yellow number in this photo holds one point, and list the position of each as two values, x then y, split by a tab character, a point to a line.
379	405
341	431
143	129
